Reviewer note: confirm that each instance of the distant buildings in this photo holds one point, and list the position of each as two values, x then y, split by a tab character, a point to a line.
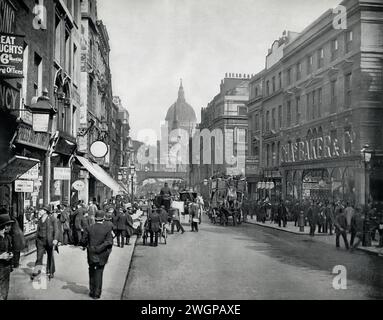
222	120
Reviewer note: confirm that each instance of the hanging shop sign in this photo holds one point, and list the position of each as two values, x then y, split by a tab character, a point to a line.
11	55
23	186
32	174
64	174
99	149
28	137
78	185
326	147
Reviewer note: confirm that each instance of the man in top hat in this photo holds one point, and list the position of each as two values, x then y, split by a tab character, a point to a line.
46	241
65	222
6	255
98	240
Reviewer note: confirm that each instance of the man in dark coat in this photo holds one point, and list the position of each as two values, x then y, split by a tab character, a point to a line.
98	240
122	225
65	222
6	255
282	215
341	226
330	219
78	224
46	241
154	221
166	196
357	228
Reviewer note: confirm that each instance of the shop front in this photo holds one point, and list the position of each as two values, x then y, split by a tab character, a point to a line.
62	174
332	181
253	177
270	186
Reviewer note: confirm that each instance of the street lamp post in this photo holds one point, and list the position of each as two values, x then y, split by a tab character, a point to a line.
43	113
132	173
367	155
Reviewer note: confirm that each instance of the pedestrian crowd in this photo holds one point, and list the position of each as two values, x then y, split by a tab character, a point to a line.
351	223
92	227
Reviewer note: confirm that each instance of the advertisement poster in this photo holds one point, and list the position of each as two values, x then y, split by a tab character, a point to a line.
11	55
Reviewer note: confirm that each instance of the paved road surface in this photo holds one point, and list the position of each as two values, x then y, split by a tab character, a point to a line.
248	263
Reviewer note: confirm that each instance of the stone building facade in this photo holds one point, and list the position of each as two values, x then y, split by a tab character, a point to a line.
331	110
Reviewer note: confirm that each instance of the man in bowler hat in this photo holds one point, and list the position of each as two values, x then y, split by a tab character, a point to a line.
6	255
98	240
46	241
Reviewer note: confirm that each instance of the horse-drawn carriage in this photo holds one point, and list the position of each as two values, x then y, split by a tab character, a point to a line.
226	201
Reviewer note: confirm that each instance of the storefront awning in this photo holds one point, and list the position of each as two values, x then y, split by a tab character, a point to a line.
101	175
15	168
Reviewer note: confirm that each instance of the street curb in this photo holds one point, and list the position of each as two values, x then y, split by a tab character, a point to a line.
282	230
376	254
129	268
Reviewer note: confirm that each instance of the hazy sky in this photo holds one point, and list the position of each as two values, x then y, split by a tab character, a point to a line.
154	43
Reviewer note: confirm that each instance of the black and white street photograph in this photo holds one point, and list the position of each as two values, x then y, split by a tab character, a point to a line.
191	150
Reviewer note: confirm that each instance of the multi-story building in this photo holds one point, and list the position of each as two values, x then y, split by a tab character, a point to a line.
98	113
224	120
331	109
336	74
265	109
50	70
124	152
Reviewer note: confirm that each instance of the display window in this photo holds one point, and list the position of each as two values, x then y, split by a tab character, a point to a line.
316	185
33	202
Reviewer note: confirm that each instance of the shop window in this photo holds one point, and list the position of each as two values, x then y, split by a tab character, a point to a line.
316	185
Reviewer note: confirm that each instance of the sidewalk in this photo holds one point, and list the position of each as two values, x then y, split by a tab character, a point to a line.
71	278
318	236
